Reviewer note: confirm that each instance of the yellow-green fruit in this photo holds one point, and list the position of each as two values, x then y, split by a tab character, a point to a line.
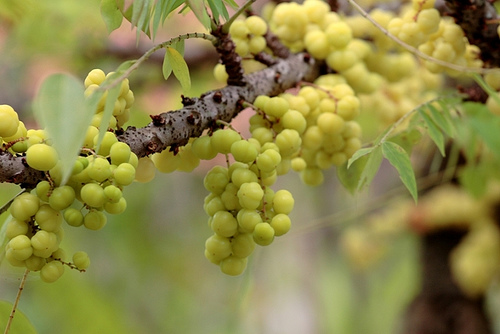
9	121
24	206
81	260
41	157
233	265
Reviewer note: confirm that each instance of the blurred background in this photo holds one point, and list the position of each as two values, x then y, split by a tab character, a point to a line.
148	273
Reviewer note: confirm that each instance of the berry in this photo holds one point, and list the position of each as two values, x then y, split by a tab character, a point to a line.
244	151
250	194
283	202
281	224
48	219
263	234
233	265
222	140
24	206
224	224
124	174
41	157
81	260
62	197
94	220
9	121
51	271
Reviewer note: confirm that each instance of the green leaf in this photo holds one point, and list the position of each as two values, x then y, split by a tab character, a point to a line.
231	3
111	14
442	119
399	158
349	177
179	67
435	134
167	66
371	168
20	323
61	108
358	154
200	11
218	9
111	98
159	8
138	14
485	124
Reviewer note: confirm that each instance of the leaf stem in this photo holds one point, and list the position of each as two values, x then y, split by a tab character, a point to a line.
18	297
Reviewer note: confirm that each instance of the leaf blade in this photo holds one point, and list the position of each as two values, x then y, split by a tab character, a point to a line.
433	131
61	108
400	160
179	68
111	14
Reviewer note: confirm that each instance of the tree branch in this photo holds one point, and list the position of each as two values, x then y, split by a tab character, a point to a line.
174	128
479	21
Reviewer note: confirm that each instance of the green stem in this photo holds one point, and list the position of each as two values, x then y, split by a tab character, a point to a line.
148	53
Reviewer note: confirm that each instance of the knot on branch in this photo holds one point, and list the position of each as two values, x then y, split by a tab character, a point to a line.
229	58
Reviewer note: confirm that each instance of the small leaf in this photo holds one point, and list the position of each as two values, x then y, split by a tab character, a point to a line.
398	158
349	177
179	67
200	11
179	46
231	3
218	9
358	154
20	323
61	108
442	119
167	66
111	98
111	14
436	135
371	168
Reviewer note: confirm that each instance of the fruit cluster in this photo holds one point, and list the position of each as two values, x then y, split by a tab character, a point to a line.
248	36
423	27
94	187
243	209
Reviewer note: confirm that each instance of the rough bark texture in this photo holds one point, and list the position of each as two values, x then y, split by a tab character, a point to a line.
479	21
16	170
174	128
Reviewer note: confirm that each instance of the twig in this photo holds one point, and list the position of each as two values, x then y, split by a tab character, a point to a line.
148	53
18	297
